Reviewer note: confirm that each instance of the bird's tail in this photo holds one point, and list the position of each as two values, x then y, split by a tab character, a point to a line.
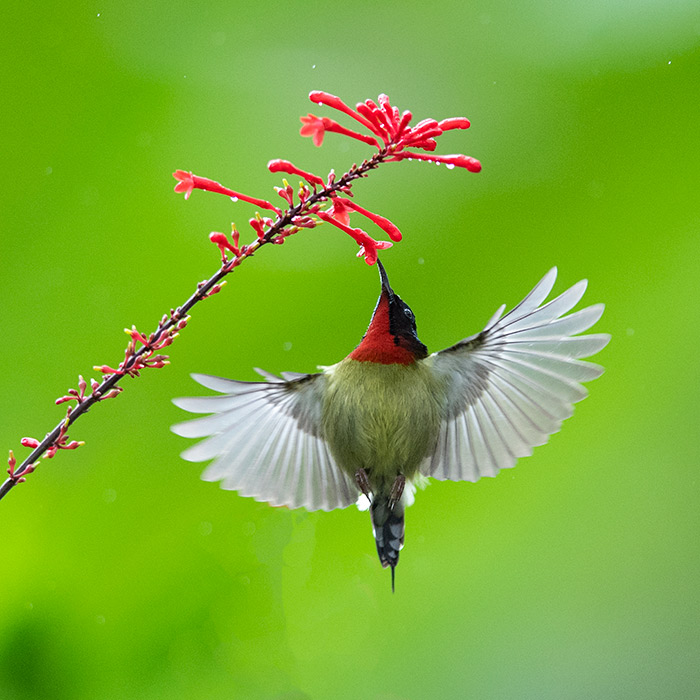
388	527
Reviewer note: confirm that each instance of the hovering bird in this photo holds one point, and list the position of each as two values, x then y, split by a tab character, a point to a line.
367	428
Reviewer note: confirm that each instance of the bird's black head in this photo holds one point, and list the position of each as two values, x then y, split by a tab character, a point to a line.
402	322
391	337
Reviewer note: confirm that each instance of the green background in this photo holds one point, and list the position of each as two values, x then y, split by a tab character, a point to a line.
122	575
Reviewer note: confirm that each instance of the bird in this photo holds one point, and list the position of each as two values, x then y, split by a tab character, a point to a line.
388	416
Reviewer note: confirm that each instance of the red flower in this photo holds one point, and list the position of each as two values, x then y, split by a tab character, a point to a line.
284	166
317	127
387	226
313	126
339	211
392	127
324	98
390	132
186	182
455	159
368	249
368	246
223	243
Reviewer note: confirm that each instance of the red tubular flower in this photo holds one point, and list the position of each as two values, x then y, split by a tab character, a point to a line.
316	128
287	193
185	182
284	166
112	393
392	113
384	117
340	210
393	136
188	182
333	126
455	159
136	335
223	243
325	98
392	127
403	123
106	369
424	124
368	249
454	123
313	126
426	145
387	226
376	125
368	246
427	129
18	477
79	394
214	290
257	225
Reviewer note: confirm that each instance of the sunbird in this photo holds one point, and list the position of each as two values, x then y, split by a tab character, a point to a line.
368	428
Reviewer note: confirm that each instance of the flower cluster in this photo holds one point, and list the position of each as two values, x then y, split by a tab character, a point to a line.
390	127
327	200
60	442
18	476
78	394
136	360
317	200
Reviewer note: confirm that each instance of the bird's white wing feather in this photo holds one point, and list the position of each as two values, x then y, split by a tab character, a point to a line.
265	440
511	386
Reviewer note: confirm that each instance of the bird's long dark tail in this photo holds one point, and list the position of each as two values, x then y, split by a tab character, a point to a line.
388	526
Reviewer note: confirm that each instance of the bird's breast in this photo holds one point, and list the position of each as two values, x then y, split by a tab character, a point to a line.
383	418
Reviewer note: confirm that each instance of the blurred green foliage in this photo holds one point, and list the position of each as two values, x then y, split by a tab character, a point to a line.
123	575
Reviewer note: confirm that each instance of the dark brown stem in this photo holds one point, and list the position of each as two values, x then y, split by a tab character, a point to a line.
112	380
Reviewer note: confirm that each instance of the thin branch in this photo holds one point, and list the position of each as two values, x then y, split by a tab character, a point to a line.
385	123
170	323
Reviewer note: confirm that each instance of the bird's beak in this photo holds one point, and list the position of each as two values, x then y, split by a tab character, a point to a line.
386	287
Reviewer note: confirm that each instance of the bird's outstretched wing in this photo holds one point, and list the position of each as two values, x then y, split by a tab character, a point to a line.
510	387
264	438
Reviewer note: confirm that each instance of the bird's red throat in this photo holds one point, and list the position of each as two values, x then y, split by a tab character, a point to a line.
379	345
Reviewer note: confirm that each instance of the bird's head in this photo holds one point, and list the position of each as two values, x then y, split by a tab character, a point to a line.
391	337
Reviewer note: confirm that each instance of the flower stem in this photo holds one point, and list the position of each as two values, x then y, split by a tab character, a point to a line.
169	322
